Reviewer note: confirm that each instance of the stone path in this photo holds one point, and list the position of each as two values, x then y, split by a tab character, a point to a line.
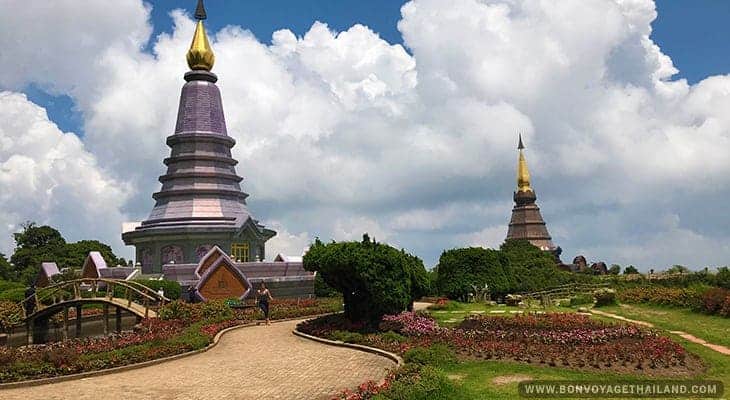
260	362
694	339
620	318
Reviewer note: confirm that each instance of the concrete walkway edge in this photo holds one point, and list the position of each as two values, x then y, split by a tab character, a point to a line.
374	350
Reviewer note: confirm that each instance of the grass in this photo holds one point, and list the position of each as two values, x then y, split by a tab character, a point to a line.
453	312
474	379
712	328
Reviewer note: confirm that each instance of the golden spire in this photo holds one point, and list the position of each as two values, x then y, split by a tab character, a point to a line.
200	56
523	175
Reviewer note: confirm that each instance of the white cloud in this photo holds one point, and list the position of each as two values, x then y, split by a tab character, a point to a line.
491	237
341	132
47	176
287	243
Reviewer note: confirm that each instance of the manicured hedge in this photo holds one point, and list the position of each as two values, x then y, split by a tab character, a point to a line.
172	288
374	278
699	298
665	296
516	267
604	297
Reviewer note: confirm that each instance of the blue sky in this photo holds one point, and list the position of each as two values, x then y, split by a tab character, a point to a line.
694	34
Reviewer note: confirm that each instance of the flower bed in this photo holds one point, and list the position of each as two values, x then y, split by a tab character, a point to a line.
558	339
569	340
182	327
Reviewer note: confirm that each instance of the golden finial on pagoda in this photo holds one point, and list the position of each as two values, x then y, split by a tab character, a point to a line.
200	56
523	174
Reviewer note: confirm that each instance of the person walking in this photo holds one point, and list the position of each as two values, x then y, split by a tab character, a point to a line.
264	295
30	299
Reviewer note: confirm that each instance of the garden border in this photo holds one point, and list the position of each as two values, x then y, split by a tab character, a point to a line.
122	368
367	349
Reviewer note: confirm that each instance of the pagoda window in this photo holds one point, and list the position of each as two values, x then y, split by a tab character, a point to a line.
240	252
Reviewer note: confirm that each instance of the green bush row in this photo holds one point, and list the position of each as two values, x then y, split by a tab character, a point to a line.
172	288
516	267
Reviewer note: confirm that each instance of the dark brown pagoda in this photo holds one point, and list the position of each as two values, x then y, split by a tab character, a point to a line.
526	222
201	204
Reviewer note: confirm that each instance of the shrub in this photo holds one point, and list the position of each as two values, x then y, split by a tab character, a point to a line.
426	384
172	289
434	355
411	382
725	311
177	309
322	289
15	295
10	315
409	323
581	299
192	338
60	357
375	279
722	278
714	299
392	337
216	310
458	269
517	266
667	296
604	297
347	337
630	270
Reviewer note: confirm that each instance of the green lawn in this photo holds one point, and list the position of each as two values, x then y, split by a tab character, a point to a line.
454	312
714	329
475	380
481	379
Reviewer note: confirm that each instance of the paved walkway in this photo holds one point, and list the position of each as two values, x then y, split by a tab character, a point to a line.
260	362
694	339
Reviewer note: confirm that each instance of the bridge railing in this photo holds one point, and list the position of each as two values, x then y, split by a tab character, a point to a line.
128	293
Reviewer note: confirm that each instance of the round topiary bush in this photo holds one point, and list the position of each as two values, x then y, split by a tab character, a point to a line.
604	297
375	279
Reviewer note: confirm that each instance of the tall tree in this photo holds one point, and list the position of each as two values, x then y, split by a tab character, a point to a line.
77	252
34	245
630	270
615	269
6	270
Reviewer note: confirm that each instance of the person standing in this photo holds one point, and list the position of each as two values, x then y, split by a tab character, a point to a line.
30	299
264	296
192	294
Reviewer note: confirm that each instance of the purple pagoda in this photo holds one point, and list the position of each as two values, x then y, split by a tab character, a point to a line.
201	204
